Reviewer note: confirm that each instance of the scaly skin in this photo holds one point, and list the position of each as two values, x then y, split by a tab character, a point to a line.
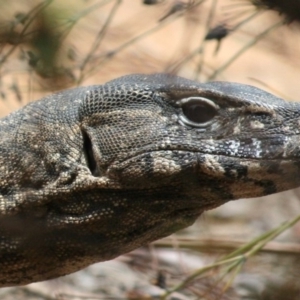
91	173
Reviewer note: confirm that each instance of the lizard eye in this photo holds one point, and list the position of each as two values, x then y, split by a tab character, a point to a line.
197	111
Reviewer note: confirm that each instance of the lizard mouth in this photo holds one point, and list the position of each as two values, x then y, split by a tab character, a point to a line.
274	147
161	167
290	152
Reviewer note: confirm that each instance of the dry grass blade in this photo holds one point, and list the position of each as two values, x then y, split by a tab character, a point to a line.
218	245
243	49
236	258
98	40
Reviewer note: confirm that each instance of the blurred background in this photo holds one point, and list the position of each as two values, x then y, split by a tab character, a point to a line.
49	45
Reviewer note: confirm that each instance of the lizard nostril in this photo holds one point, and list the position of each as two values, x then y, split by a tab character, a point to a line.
89	154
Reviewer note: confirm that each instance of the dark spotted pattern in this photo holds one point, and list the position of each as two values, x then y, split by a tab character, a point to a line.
90	173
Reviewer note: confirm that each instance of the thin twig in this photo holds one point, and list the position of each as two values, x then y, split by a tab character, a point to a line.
238	256
244	49
30	18
112	53
98	40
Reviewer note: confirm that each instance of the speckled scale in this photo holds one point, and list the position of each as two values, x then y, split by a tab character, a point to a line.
90	173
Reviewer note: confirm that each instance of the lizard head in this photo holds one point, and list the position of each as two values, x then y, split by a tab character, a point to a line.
100	171
212	142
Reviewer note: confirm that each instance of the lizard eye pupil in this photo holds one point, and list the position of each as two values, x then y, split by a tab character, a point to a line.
197	111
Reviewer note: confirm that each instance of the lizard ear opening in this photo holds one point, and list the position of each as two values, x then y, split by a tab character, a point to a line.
89	154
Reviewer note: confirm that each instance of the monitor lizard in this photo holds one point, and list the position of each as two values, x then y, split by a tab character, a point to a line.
93	172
